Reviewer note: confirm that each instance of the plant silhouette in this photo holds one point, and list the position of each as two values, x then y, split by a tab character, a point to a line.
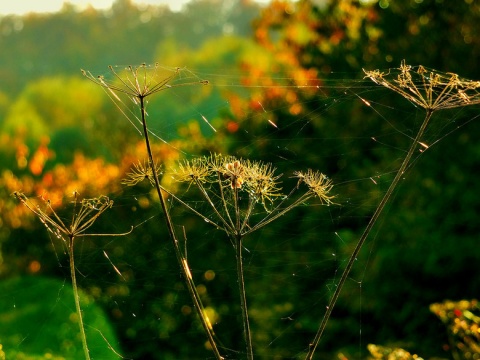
432	91
84	214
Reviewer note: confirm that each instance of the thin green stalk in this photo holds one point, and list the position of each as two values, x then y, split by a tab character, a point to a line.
243	299
248	213
313	345
182	261
77	298
236	206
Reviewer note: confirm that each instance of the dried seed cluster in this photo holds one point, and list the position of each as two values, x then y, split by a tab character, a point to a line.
428	88
234	186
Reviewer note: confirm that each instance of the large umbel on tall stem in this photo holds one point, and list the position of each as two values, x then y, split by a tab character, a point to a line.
430	90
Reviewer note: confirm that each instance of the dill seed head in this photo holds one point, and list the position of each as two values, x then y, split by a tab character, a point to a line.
427	88
140	172
140	81
137	81
217	162
236	186
228	167
259	178
317	183
261	181
195	170
81	220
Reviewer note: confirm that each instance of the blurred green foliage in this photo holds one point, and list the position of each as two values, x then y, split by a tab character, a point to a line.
39	321
58	129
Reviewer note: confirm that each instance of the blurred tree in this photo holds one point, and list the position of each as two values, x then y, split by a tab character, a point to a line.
63	42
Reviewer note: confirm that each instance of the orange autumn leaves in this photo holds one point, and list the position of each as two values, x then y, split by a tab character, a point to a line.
297	42
37	175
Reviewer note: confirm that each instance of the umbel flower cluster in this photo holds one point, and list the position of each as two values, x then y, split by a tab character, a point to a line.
231	189
141	171
83	217
428	88
85	213
234	187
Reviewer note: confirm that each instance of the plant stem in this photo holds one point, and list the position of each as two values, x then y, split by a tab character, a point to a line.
182	261
313	345
77	298
243	299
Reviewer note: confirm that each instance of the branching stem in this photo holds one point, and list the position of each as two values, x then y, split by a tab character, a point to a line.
182	261
406	161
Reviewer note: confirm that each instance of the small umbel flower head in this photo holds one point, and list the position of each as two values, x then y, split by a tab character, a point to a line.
317	183
140	172
262	182
257	178
191	171
82	218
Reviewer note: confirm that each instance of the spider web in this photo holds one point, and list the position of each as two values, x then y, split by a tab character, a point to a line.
290	280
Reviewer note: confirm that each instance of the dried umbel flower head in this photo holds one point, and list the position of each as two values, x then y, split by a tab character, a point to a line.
255	177
317	183
233	187
430	89
82	218
142	80
141	171
262	182
217	163
195	170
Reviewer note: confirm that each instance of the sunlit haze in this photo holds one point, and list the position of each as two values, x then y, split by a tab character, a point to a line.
21	7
